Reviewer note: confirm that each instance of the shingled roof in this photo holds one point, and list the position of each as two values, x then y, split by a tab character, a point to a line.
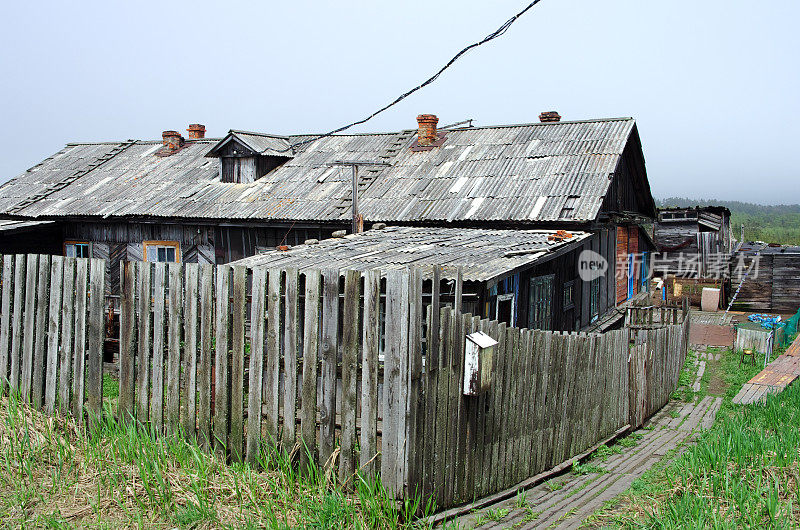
481	254
538	172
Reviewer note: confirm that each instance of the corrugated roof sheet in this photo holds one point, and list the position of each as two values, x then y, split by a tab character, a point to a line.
522	173
482	254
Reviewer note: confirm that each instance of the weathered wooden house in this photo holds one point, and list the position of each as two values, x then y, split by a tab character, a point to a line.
219	200
769	276
694	242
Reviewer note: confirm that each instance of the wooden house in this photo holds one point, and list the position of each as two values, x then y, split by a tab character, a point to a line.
694	242
769	276
206	200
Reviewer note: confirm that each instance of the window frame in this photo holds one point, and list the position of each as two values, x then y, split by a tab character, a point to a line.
570	285
156	244
76	242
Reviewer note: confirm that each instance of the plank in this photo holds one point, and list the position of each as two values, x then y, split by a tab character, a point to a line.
204	365
5	319
191	276
67	324
453	400
414	427
237	362
257	314
96	338
79	344
290	340
308	412
395	382
53	331
459	296
272	364
463	329
40	344
172	416
142	369
157	367
17	323
443	424
369	375
350	326
26	377
480	465
127	337
471	418
431	382
493	417
222	321
328	352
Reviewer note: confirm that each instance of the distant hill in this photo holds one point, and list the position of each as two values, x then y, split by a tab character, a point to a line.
778	223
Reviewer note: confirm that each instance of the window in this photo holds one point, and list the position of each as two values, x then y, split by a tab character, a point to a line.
504	310
540	296
594	299
569	295
76	249
162	251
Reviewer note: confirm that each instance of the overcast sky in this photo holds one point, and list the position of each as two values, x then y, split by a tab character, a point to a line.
713	84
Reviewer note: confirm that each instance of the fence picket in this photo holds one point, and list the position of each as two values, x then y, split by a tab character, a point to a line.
127	338
204	363
350	325
289	434
271	382
5	320
79	344
157	367
95	337
220	396
53	328
189	386
26	377
40	342
328	352
142	368
256	372
369	374
174	339
237	362
308	412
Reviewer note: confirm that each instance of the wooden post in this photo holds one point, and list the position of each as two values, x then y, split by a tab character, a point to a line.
96	335
328	352
258	307
290	341
369	374
308	416
349	376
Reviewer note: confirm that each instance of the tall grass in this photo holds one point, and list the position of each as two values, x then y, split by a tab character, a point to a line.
741	473
55	473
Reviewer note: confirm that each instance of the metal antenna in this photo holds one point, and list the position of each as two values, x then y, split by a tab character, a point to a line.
358	223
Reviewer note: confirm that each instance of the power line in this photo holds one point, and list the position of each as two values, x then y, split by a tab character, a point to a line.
497	33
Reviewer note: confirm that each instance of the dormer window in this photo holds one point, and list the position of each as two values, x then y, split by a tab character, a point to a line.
246	157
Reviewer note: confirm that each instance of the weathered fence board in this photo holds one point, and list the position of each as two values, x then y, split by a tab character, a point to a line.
47	352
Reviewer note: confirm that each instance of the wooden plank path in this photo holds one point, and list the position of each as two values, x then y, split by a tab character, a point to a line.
773	379
566	501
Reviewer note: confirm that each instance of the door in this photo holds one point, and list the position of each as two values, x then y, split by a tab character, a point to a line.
631	275
540	302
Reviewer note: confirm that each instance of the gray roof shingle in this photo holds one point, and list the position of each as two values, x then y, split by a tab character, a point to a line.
521	173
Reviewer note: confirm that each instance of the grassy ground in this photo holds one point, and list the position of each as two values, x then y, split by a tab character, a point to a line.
741	473
53	474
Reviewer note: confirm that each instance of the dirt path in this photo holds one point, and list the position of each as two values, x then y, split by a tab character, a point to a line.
566	501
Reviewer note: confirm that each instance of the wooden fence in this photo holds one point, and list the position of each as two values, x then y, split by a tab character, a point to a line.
51	332
241	357
340	363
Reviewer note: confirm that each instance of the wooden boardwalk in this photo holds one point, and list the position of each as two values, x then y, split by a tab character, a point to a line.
778	374
566	501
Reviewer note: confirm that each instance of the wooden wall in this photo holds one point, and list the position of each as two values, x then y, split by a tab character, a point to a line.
772	286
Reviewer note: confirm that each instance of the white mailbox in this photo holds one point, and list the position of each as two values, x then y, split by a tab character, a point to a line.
478	354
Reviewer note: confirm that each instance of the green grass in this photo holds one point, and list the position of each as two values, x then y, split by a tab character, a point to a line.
55	474
741	473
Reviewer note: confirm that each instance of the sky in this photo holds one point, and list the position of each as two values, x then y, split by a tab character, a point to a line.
712	84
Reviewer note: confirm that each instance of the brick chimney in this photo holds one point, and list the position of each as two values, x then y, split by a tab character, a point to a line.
551	116
427	128
196	131
172	139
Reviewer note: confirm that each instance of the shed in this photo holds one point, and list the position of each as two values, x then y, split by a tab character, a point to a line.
527	278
